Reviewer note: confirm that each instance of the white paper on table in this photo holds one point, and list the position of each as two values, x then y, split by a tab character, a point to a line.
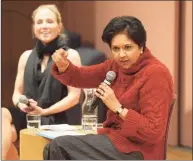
59	127
53	134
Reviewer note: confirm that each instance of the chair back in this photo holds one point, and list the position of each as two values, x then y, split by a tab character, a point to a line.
167	126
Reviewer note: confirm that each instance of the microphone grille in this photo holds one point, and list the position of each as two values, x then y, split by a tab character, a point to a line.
110	76
23	99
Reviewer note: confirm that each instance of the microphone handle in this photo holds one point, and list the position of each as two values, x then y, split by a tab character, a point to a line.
94	104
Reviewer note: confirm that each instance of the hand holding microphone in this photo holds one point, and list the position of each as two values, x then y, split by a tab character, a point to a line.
23	99
104	92
25	107
60	59
32	106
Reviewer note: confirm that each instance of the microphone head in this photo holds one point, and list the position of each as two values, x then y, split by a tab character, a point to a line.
23	99
110	76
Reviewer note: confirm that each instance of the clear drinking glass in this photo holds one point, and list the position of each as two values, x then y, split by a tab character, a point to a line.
33	121
89	119
89	123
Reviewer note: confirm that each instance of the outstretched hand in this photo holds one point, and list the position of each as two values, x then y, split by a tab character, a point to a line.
60	59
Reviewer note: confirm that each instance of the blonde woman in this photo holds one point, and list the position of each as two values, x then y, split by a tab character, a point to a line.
47	96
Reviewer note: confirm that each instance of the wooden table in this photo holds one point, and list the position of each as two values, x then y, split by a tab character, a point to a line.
32	145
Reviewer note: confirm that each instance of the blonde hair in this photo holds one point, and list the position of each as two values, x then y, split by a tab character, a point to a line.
54	9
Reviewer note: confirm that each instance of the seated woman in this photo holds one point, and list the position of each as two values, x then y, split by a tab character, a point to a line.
138	100
48	97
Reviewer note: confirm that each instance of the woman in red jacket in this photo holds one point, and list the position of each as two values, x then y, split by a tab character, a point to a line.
138	100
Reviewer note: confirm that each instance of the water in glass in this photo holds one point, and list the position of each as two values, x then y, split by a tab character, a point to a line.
33	121
89	122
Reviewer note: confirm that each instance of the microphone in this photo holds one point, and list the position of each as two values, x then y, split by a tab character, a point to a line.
23	99
110	76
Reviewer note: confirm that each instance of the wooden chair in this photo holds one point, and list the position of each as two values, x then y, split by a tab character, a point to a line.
168	124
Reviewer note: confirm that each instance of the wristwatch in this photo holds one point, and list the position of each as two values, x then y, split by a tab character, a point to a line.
119	110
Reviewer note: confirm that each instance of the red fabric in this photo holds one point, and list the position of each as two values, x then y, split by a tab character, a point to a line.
146	89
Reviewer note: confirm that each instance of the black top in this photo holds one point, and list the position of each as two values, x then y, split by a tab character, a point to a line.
42	86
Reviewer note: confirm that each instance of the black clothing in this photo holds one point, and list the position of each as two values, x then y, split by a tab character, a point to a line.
87	147
42	86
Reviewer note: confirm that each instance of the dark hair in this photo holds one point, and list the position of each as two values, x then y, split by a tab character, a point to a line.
128	24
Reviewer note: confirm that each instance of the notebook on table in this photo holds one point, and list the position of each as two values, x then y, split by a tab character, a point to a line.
53	131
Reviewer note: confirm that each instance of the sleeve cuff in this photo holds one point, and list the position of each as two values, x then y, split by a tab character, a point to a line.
131	123
62	76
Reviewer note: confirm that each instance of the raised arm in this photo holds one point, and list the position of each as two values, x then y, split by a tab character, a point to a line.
81	77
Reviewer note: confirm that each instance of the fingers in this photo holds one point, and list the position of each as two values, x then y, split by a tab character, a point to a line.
54	58
60	59
32	101
32	112
24	110
104	87
62	53
29	109
33	106
59	54
99	95
100	92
